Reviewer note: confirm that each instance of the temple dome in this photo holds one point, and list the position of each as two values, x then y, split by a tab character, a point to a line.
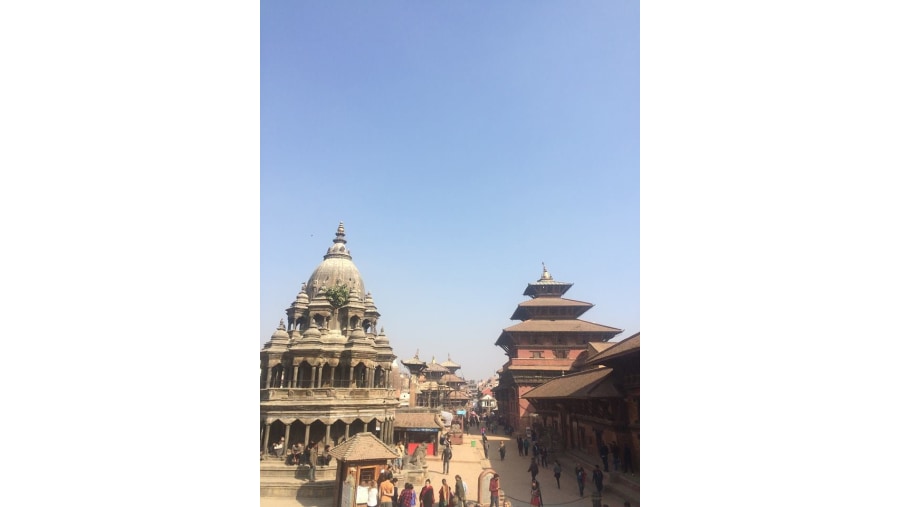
336	268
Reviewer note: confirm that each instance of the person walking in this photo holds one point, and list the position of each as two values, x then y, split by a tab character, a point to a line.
502	451
536	499
485	449
604	456
426	496
444	494
494	487
557	471
526	443
533	468
579	478
520	444
446	456
460	492
598	478
544	456
614	450
626	460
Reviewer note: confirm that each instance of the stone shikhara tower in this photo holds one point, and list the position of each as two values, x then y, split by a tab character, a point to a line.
326	375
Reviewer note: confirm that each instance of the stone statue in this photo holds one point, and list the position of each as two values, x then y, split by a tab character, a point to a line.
418	457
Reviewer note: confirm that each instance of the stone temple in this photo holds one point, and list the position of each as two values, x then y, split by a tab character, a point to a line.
327	374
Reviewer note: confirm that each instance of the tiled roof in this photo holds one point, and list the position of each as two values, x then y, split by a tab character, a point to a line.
593	349
560	325
362	447
534	363
588	384
630	344
458	395
415	420
553	302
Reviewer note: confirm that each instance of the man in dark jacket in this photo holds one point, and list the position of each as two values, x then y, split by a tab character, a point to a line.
604	456
533	468
598	478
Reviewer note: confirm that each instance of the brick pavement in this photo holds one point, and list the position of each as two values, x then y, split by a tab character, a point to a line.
515	480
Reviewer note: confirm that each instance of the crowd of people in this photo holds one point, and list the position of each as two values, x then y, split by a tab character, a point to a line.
386	492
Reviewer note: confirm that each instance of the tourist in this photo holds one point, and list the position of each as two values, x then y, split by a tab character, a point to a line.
386	490
533	468
494	488
544	456
444	494
579	478
604	456
557	471
373	495
278	448
395	498
485	449
426	496
520	444
502	451
460	493
313	460
296	452
614	450
446	456
598	478
398	463
526	443
536	499
626	460
407	496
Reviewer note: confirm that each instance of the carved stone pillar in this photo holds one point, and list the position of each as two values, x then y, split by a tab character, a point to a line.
266	442
287	438
306	438
294	377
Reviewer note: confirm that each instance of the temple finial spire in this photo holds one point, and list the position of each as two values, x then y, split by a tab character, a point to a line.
546	274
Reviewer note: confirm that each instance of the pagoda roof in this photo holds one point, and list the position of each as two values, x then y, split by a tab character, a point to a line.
415	420
567	325
363	447
449	363
618	349
596	383
524	310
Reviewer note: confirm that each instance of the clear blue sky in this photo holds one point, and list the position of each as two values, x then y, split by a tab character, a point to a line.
462	144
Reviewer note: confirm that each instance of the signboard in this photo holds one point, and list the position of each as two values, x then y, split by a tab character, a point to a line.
460	412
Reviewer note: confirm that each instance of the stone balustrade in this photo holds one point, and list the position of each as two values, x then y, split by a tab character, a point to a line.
325	393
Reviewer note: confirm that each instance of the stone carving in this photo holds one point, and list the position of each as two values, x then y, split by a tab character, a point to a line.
417	460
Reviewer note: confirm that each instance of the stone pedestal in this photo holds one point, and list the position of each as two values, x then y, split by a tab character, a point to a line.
417	476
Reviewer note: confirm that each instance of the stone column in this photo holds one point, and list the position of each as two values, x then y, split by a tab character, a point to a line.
327	436
332	377
287	439
268	377
294	377
346	432
306	438
266	443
